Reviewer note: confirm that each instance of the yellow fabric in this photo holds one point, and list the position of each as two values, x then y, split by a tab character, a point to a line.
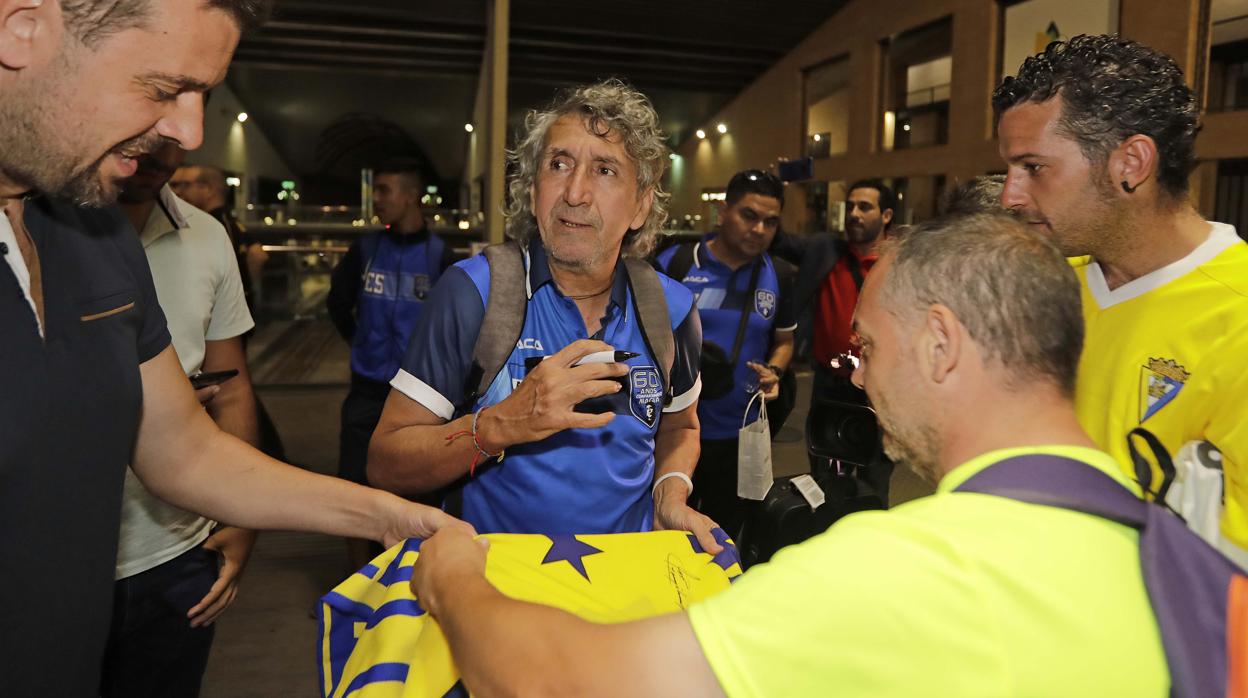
955	594
1185	339
376	642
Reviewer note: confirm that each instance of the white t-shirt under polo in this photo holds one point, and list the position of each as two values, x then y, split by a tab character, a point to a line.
199	288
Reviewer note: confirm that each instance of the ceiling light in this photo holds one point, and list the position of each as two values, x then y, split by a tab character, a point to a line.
701	134
722	128
905	127
242	116
818	138
468	128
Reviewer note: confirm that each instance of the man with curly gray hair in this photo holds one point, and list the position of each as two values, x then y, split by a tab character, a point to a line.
608	106
599	437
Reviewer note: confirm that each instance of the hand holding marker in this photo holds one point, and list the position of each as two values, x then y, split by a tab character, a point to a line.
605	357
598	357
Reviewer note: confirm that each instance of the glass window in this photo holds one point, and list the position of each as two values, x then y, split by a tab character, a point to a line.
1228	56
1231	199
917	198
918	69
826	94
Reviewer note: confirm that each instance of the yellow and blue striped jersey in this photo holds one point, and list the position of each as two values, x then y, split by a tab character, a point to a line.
376	640
1169	352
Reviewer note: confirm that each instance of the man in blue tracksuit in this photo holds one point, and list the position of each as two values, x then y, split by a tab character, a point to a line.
375	299
745	300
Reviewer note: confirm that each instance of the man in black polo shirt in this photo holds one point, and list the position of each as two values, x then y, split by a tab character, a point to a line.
90	381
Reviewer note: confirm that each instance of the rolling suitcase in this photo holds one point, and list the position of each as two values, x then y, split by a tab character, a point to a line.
841	434
785	517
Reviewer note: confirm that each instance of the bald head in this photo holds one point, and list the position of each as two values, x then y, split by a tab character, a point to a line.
1022	307
201	186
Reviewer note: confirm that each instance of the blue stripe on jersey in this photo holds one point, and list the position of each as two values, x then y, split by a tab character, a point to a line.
576	481
400	607
393	671
720	294
395	575
342	604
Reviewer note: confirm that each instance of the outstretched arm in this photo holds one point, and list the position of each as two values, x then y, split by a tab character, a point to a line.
183	458
508	647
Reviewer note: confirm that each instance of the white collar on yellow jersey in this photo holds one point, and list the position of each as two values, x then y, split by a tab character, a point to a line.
1221	237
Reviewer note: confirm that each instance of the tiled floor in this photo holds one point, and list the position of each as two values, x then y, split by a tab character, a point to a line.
266	643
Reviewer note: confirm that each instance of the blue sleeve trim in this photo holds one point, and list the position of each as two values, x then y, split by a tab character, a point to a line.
439	353
478	270
679	302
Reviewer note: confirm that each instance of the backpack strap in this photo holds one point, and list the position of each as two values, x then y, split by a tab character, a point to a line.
1144	470
1062	482
746	310
503	321
653	314
855	267
1194	590
682	261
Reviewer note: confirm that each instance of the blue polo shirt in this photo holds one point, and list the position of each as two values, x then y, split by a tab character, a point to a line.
578	480
721	294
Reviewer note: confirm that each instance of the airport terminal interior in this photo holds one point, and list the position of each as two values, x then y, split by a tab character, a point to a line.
821	92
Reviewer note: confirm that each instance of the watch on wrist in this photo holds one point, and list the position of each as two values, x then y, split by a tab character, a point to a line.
775	369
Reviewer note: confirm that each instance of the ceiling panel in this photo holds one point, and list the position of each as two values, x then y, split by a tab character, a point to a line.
415	64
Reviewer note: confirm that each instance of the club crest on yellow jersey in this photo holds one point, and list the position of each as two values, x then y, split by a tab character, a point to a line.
1160	382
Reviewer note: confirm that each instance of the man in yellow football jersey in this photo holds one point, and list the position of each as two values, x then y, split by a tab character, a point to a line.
956	594
1099	136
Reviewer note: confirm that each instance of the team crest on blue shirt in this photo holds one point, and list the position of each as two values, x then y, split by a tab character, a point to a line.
765	303
646	396
1160	382
420	286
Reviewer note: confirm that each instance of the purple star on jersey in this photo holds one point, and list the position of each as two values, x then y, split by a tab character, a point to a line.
570	550
726	557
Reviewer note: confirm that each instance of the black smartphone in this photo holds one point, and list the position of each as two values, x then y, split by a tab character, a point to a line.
203	380
798	170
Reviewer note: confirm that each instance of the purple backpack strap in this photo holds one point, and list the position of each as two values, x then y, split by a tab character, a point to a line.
1187	580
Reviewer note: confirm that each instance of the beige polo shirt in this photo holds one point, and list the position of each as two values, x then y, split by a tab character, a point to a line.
198	285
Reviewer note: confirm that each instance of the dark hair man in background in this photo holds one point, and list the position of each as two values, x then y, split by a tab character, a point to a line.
745	300
827	288
91	381
177	571
954	594
976	195
205	188
376	295
1099	135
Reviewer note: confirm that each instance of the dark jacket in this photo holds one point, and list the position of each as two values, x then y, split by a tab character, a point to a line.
820	252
